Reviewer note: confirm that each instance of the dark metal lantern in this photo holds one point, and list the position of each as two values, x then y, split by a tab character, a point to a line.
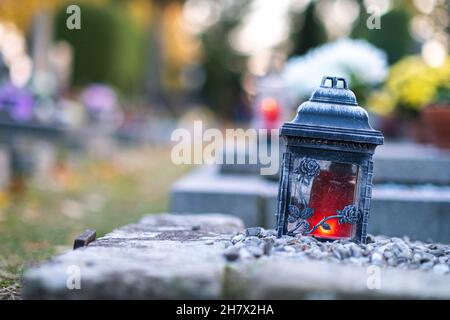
326	175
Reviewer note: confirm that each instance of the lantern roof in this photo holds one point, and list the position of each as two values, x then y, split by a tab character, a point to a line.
333	113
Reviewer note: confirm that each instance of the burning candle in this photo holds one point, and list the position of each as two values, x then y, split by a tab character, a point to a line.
332	190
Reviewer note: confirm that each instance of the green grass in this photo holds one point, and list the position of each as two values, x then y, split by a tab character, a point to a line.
89	192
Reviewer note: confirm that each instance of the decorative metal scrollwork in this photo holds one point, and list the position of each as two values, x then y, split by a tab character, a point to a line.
308	168
350	214
305	171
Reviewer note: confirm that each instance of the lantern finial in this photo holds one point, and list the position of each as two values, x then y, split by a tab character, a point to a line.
334	82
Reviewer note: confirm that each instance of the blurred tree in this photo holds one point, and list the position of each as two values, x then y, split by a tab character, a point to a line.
108	48
168	51
393	37
223	65
307	31
21	12
153	88
181	47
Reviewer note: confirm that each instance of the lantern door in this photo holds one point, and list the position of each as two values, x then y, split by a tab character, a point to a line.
323	198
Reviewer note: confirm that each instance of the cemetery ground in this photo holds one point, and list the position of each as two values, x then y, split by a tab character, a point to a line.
84	192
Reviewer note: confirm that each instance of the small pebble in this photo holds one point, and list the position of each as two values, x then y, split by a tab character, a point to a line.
417	257
267	247
337	254
269	233
289	249
427	265
244	253
231	253
377	258
369	239
254	231
237	238
256	251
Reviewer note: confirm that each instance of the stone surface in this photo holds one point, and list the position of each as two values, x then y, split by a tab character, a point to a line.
204	191
210	257
160	257
410	163
421	212
281	278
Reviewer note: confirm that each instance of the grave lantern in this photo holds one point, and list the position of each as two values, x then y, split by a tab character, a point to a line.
326	174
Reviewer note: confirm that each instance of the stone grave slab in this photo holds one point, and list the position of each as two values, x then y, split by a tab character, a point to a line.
161	257
187	257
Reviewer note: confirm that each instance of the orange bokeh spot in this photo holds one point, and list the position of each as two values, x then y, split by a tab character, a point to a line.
270	109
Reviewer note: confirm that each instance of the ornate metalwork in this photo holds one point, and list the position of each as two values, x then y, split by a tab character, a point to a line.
305	171
350	214
354	146
308	168
283	193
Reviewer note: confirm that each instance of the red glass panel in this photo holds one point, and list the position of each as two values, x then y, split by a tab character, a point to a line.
332	190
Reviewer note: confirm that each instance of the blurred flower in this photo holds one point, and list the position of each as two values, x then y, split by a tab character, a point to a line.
18	102
102	106
411	85
99	98
355	60
382	102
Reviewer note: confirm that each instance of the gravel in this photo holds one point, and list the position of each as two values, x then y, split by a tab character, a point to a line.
383	251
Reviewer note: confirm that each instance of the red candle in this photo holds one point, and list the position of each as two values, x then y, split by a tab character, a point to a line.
271	113
332	190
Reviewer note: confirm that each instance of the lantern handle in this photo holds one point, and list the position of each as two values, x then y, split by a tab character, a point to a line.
334	82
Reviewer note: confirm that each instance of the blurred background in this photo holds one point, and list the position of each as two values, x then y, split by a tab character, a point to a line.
86	111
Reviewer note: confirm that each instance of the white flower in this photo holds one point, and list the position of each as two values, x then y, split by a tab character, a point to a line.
346	58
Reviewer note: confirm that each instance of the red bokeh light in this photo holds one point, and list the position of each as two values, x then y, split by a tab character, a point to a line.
270	110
